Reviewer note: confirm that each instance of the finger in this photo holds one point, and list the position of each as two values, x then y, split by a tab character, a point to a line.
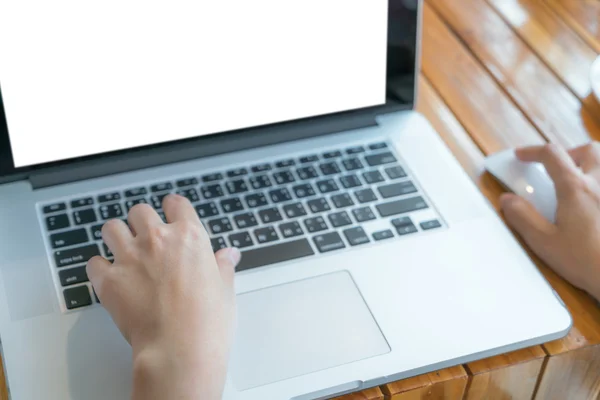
559	165
97	267
179	208
141	216
117	236
227	260
536	230
587	157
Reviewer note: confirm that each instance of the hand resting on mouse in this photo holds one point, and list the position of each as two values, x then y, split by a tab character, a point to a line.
571	245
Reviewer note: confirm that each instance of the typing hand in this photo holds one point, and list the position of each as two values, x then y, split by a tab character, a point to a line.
172	299
572	245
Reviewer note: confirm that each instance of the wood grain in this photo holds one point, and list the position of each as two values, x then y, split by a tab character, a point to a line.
367	394
550	106
447	384
583	16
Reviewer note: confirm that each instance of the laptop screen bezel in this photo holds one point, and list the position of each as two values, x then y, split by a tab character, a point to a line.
9	173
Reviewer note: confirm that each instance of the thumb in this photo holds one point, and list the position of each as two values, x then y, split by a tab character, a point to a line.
536	230
227	260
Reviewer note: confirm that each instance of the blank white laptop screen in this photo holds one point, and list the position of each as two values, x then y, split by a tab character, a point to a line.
82	77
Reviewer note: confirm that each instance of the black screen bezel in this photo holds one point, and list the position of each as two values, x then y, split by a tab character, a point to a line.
8	171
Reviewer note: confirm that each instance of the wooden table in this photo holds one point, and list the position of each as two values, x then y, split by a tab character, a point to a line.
498	74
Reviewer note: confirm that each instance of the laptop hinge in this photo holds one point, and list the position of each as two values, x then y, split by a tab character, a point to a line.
198	148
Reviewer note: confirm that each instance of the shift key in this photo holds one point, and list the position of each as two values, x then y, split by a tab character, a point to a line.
68	238
78	255
401	206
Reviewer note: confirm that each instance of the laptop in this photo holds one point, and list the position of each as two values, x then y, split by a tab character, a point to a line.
368	254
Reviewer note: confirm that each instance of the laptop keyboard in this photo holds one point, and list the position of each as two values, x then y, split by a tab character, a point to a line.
273	211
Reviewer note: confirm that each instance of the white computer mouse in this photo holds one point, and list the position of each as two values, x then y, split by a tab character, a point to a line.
528	180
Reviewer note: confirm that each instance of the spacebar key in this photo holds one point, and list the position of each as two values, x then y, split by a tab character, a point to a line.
275	254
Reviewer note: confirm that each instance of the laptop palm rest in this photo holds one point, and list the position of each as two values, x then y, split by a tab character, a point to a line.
301	327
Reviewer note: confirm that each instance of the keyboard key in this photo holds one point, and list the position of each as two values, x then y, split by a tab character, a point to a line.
403	221
396	172
401	206
261	168
97	231
161	187
77	297
356	236
130	203
84	216
136	192
157	200
59	221
373	177
304	190
256	200
232	205
405	230
350	181
218	244
104	198
237	186
245	220
327	186
283	177
107	252
291	229
342	200
315	224
211	191
88	201
212	177
363	214
306	173
111	211
294	210
54	208
220	225
332	154
330	168
340	219
380	159
309	159
404	226
269	215
378	146
260	182
280	195
78	255
383	235
318	205
275	254
68	238
433	224
72	276
285	163
365	196
186	182
329	242
237	172
266	235
396	189
355	150
352	164
240	240
207	210
191	194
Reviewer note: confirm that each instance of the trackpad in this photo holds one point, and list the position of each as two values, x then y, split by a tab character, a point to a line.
302	327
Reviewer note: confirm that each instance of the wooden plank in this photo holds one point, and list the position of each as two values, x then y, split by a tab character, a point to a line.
509	376
551	107
447	384
583	16
555	43
367	394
